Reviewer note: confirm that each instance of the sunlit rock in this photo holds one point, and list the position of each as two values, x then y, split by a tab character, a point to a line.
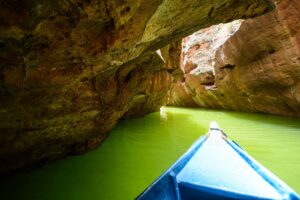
257	68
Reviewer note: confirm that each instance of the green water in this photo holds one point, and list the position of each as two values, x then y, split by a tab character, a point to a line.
139	150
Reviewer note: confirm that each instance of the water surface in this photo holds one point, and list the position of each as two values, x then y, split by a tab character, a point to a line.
137	151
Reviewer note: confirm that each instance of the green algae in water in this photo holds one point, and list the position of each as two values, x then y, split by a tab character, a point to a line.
137	151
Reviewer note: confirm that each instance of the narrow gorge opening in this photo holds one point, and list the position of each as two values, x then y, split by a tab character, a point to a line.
202	65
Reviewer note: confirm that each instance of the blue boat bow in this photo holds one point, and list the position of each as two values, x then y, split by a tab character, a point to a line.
216	167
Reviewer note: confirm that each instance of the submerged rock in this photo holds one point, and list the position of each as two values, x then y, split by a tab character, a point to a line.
256	69
70	70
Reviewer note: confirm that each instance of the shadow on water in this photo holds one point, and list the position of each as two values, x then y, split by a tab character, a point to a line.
136	152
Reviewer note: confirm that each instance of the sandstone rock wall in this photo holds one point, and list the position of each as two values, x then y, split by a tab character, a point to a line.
70	69
257	69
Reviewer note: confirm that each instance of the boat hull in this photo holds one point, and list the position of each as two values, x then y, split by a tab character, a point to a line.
216	167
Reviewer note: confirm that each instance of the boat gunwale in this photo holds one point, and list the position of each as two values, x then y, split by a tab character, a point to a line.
282	188
266	174
179	164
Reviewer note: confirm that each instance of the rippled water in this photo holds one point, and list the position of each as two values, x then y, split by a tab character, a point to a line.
139	150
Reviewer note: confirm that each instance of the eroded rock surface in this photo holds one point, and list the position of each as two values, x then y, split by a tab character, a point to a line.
257	69
70	70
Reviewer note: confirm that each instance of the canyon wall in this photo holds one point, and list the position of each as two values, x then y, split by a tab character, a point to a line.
256	69
70	69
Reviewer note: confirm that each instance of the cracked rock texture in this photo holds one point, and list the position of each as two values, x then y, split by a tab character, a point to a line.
257	69
70	69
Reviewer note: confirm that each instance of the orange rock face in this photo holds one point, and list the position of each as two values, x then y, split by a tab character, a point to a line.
257	69
70	70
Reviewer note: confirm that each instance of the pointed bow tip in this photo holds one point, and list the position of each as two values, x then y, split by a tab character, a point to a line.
214	125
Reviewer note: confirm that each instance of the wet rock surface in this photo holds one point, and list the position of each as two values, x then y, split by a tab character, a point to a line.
70	70
257	69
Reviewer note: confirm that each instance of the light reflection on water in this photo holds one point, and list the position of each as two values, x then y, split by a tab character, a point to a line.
139	150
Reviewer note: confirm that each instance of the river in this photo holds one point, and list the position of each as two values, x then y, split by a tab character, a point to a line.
137	151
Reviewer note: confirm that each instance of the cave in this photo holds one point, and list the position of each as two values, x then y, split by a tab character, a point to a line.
87	84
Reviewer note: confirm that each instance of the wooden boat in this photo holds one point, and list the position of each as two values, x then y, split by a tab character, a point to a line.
216	167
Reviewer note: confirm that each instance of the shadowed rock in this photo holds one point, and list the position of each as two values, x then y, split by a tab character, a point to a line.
70	70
